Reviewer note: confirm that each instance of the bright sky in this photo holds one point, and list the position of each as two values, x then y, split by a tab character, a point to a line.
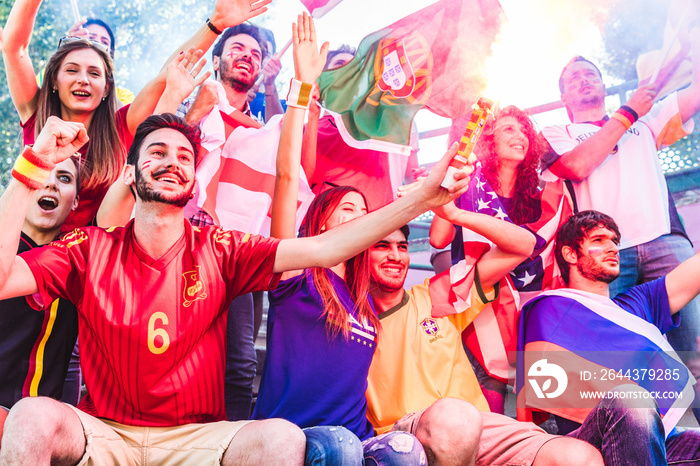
538	39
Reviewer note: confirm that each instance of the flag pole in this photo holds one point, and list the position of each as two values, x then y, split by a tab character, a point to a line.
74	8
285	48
669	44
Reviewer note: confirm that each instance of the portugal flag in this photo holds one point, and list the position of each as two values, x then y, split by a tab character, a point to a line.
433	58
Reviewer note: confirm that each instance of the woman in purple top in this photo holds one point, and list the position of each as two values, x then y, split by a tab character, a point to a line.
322	328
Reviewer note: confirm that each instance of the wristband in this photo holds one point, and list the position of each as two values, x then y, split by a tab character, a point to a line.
31	169
631	111
213	28
299	94
626	116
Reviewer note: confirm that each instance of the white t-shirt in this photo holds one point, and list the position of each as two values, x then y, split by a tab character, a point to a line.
629	185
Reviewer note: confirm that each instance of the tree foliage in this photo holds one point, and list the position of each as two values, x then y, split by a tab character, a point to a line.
633	27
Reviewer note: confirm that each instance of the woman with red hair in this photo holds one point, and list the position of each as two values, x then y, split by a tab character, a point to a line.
507	185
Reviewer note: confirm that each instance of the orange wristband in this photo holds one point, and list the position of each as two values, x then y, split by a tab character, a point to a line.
299	94
31	169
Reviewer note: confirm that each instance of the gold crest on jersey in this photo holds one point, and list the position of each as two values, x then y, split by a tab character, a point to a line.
73	238
194	288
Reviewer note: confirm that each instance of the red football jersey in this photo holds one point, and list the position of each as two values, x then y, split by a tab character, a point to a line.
153	331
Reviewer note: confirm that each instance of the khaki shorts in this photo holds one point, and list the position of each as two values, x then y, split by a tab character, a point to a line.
111	443
504	441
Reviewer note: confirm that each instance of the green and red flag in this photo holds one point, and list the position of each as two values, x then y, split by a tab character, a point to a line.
433	58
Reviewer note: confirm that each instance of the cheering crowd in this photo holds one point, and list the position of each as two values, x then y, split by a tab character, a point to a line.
134	250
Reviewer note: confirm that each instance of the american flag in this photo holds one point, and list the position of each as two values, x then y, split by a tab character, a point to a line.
493	333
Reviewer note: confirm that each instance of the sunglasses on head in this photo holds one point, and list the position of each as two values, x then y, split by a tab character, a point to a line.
94	43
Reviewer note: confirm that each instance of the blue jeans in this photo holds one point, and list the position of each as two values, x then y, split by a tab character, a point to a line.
330	446
652	260
241	361
394	449
628	435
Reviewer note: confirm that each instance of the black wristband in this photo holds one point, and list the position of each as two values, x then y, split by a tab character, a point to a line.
632	112
213	28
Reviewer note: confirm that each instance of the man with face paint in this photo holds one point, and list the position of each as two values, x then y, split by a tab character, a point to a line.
613	165
612	333
237	59
155	293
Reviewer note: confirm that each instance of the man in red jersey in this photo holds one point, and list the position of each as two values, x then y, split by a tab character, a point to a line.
151	301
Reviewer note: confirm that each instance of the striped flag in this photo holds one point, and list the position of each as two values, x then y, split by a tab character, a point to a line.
599	346
676	71
236	179
493	334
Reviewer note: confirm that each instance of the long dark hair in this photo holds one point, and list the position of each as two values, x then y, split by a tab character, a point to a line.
357	274
106	153
525	198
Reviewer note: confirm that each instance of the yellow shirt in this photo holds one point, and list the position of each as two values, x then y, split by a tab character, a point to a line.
420	359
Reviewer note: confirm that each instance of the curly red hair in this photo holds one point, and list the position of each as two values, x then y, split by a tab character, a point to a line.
526	196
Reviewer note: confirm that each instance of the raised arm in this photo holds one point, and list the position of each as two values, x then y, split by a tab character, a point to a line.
226	13
57	141
442	232
182	76
308	64
683	283
309	146
17	34
272	101
580	162
347	240
514	244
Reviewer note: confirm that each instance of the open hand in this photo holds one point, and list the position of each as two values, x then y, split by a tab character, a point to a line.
77	30
59	140
182	75
229	13
308	60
